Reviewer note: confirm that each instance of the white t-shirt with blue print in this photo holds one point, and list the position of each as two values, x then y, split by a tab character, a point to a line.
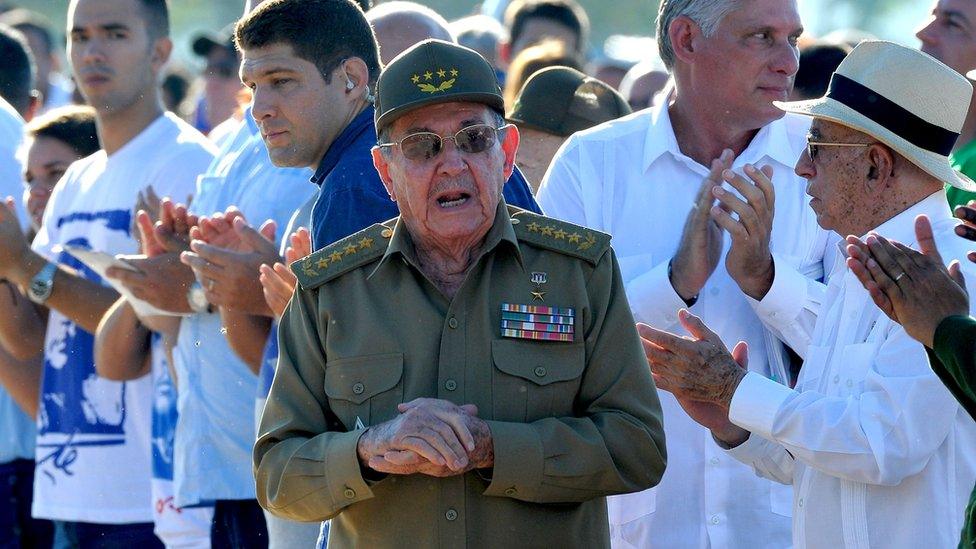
93	442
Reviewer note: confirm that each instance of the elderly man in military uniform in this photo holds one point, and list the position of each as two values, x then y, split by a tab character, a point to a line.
467	374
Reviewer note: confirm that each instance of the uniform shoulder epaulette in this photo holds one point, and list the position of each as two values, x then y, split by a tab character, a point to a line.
559	236
343	255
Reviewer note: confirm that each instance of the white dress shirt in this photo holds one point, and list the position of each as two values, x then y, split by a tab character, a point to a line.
630	179
878	451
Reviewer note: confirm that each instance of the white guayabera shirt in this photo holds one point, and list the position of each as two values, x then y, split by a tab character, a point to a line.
629	178
878	451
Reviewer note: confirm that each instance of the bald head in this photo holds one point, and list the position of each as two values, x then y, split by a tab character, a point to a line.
399	25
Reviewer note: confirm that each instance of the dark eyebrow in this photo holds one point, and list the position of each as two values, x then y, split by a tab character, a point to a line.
105	27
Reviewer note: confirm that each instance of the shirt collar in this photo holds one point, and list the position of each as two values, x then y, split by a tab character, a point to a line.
772	140
252	125
401	243
363	122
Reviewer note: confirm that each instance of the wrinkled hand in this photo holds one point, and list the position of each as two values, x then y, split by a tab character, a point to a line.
914	289
231	278
967	229
694	368
172	231
430	436
701	239
749	260
278	281
162	281
14	247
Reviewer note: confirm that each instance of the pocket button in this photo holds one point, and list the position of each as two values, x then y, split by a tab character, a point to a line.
450	385
358	388
541	371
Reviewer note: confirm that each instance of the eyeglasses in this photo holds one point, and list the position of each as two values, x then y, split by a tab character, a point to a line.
426	145
812	149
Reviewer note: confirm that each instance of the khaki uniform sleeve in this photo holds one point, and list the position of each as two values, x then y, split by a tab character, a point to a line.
306	467
615	444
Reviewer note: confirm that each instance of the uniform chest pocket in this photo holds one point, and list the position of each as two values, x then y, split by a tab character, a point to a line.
364	390
532	380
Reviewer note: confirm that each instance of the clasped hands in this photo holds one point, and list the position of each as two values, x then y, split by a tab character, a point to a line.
431	437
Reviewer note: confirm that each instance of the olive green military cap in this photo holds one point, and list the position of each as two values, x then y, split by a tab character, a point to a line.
435	71
563	101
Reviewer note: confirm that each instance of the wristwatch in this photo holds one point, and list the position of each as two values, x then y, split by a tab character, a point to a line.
196	297
42	284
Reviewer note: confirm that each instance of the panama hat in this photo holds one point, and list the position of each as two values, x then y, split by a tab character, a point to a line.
903	98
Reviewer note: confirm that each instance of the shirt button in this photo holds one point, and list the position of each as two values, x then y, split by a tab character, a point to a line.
715	519
714	461
540	371
451	514
349	493
850	383
836	379
358	388
511	491
799	502
453	323
450	385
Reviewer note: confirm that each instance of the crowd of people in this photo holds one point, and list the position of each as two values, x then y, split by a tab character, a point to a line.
715	298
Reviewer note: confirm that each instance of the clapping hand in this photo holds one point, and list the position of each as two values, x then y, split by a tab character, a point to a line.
278	281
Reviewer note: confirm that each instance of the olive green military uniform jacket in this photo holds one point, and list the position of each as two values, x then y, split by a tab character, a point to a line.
571	421
954	360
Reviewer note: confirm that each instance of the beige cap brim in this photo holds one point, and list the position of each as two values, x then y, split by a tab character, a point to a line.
932	163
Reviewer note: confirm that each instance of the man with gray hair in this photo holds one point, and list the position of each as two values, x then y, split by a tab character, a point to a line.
651	180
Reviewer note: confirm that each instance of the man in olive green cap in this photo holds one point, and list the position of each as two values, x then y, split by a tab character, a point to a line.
465	374
555	103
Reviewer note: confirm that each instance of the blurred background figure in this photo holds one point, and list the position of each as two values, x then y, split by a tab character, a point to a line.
609	69
849	36
52	142
55	88
176	88
555	103
483	34
550	53
818	61
530	22
642	82
399	25
220	81
17	73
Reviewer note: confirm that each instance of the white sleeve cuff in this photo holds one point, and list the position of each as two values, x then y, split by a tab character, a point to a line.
756	402
785	299
754	449
652	298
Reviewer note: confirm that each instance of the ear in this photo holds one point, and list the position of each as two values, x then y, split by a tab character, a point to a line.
382	166
357	72
510	147
881	171
685	36
161	51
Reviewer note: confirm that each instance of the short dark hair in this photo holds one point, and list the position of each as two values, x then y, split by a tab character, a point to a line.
26	21
322	32
17	71
366	5
73	125
156	15
818	61
565	12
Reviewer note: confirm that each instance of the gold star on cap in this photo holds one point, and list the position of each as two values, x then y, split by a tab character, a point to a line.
442	73
428	75
454	72
415	78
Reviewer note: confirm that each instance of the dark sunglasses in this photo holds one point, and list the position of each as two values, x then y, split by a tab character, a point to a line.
426	145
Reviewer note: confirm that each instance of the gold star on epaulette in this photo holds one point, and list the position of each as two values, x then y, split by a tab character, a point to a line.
559	235
548	230
575	238
322	263
442	73
365	243
534	227
428	75
590	241
336	256
350	249
415	79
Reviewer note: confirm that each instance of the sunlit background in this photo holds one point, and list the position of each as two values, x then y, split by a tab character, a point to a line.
894	20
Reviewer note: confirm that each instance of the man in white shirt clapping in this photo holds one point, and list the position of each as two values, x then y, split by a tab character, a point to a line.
877	449
646	179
